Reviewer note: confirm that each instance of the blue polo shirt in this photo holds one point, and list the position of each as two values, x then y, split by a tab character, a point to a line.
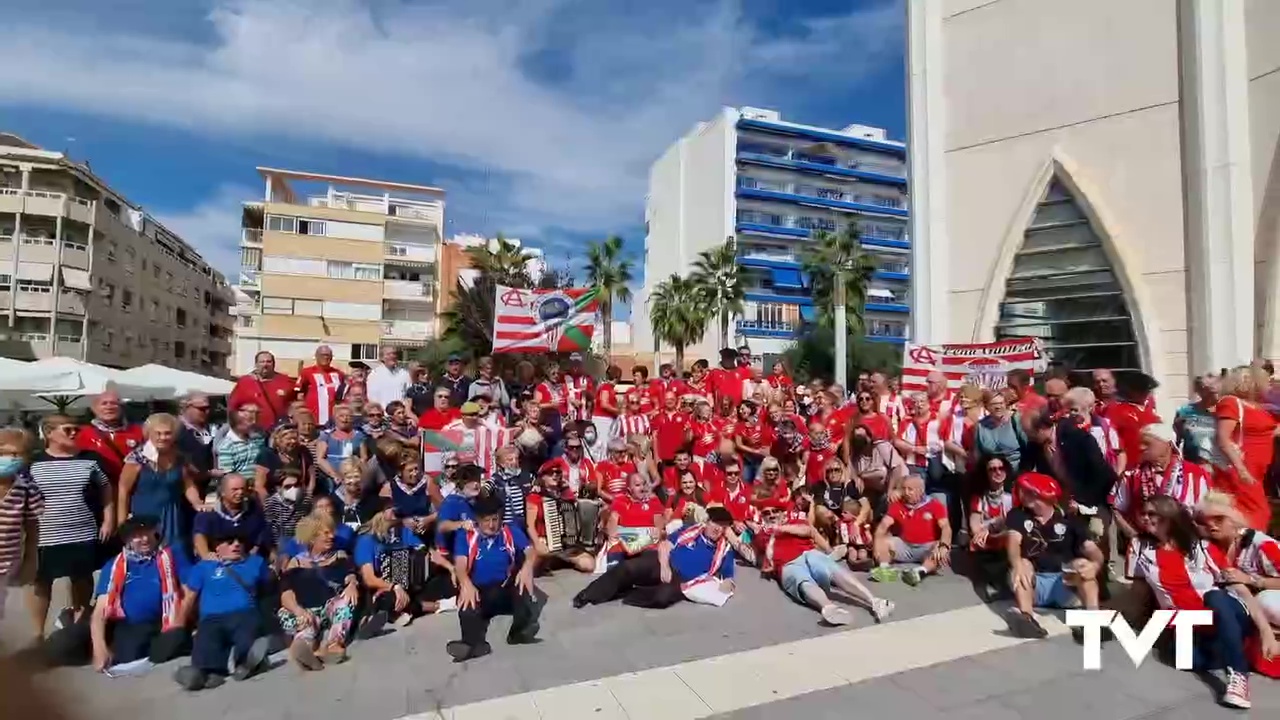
222	594
141	597
370	548
494	562
250	526
455	508
344	539
692	560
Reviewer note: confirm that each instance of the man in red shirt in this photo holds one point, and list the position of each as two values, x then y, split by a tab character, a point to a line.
914	530
818	452
727	380
699	383
439	415
1128	413
672	429
1028	399
795	554
614	471
271	391
108	435
732	493
321	385
605	408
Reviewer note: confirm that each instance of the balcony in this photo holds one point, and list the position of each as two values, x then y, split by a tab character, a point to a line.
884	300
45	202
407	254
71	302
880	173
413	211
408	290
821	197
408	330
250	237
249	280
887	331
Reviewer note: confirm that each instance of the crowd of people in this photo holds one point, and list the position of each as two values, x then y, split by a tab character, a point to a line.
334	503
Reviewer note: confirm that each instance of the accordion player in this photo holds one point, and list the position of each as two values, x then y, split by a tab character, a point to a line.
555	524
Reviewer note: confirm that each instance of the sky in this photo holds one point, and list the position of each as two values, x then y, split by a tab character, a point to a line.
539	118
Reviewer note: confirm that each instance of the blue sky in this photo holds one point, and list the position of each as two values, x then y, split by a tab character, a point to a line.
539	117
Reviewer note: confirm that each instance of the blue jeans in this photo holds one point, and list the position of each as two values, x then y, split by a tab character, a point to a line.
813	566
750	468
220	636
1223	644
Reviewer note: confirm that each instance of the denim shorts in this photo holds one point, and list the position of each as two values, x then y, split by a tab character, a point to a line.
813	566
905	552
1052	591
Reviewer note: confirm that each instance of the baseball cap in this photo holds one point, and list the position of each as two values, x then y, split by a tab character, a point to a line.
575	356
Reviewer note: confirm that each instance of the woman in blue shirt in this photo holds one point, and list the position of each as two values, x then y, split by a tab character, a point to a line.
344	538
396	568
413	495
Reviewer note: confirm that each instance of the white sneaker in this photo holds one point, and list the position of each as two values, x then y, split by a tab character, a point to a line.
447	605
836	615
1237	693
881	609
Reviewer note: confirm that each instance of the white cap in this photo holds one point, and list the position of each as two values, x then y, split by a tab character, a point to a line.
1160	431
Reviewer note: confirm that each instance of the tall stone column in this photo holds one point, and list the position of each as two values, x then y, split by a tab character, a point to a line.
926	126
1218	187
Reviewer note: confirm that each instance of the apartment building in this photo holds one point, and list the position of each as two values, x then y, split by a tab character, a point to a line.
342	261
749	175
86	274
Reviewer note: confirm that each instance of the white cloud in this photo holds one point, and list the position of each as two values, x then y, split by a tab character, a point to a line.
452	82
212	227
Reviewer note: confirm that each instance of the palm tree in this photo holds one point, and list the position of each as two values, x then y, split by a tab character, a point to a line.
676	314
502	261
832	253
719	278
609	273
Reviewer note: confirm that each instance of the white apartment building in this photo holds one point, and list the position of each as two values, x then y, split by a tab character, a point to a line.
86	274
767	183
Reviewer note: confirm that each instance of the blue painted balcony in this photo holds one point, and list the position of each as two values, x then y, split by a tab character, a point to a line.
826	136
870	205
825	166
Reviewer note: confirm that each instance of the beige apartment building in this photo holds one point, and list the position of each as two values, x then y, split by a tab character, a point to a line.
341	261
88	275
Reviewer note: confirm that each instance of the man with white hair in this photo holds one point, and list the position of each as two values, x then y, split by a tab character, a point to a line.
109	435
388	381
321	385
1079	403
1161	471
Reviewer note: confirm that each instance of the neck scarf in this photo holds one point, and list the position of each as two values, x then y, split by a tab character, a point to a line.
1152	481
322	559
821	442
108	429
170	589
221	509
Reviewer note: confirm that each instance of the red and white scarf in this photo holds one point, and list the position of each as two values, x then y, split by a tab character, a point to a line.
691	535
170	588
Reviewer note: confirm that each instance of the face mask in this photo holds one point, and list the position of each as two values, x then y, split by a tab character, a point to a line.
11	465
290	494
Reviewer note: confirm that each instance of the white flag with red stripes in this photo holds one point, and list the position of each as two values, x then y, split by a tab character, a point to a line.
982	364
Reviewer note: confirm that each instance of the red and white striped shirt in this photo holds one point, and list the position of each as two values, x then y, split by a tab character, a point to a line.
1179	582
577	474
929	434
992	509
1183	481
1261	556
891	407
626	425
576	388
483	440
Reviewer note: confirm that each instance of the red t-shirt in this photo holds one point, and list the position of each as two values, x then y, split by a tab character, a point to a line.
706	436
272	396
878	425
634	513
434	419
835	422
645	396
815	470
671	478
779	494
112	447
668	431
607	393
1128	419
737	501
728	383
613	476
780	382
755	435
785	547
918	526
679	503
701	389
552	393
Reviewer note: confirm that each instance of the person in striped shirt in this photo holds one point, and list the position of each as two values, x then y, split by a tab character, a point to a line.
21	504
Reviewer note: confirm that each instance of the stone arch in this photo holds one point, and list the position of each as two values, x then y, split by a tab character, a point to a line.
1061	263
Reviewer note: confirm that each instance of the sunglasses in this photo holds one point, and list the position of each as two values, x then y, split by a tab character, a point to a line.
995	469
450	467
732	473
572	447
442	397
68	429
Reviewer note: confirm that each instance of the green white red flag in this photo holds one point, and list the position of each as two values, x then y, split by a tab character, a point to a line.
544	320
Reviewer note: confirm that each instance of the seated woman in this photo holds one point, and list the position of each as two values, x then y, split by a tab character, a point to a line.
354	501
1245	556
344	538
456	512
842	513
413	496
551	495
287	504
796	555
636	520
1180	574
139	611
687	505
226	586
988	506
397	569
319	592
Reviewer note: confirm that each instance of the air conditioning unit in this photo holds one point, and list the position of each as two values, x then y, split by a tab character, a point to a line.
751	113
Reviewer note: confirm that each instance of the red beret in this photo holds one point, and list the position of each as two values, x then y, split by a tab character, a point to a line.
1040	484
548	466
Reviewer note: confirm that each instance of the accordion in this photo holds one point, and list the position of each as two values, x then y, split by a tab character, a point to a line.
404	566
560	518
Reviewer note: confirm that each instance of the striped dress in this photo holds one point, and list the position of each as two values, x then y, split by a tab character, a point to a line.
21	504
67	484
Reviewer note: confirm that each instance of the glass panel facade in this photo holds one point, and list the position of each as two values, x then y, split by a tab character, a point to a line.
1064	290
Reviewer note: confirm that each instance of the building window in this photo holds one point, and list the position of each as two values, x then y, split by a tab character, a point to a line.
354	271
311	227
108	337
126	300
277	306
5	281
35	286
279	223
111	252
1064	291
364	352
179	350
397	250
182	318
